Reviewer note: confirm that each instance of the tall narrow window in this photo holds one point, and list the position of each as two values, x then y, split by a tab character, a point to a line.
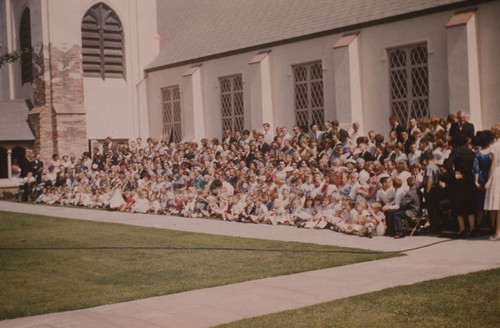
308	81
25	47
172	126
409	78
102	43
231	95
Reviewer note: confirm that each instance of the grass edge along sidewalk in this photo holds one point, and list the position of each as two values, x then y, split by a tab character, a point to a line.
470	300
54	264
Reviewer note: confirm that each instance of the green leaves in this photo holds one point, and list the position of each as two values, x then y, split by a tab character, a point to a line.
11	57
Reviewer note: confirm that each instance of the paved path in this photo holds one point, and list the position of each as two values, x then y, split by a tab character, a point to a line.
212	306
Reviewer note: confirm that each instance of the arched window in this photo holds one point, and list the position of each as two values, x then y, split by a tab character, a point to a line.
102	43
25	47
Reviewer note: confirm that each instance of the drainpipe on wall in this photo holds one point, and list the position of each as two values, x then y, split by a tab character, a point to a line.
47	52
10	46
137	103
9	161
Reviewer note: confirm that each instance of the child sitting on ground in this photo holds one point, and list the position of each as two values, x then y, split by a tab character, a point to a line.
261	211
154	204
200	206
378	219
323	213
129	202
141	204
248	213
188	209
364	220
345	220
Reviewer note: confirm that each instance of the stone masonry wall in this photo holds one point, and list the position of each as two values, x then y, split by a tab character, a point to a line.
58	119
40	121
67	80
34	123
72	134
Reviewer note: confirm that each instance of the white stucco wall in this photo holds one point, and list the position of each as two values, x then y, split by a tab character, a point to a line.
108	107
115	107
58	22
280	61
373	44
488	29
283	59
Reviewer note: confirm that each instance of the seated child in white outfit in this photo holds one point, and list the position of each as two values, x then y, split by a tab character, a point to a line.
141	204
378	219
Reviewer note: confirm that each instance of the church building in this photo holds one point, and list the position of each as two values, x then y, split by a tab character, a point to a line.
189	69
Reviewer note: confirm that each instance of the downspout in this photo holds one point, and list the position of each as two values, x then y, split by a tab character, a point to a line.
47	70
10	46
46	41
138	104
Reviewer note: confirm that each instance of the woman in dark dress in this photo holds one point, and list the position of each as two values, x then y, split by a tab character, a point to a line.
459	164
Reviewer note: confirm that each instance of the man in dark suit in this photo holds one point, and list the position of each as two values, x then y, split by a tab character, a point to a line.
109	145
262	146
25	165
37	168
396	126
363	146
407	141
462	127
227	138
98	159
328	131
237	137
247	155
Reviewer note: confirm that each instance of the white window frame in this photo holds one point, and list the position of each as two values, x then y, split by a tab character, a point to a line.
171	114
309	112
230	118
417	105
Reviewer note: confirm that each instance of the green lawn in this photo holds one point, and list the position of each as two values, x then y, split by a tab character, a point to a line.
470	300
50	264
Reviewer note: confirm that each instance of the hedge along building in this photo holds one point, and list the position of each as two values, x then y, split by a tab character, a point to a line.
236	64
84	78
177	69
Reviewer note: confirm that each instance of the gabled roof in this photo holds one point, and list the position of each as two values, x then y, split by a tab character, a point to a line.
193	30
14	121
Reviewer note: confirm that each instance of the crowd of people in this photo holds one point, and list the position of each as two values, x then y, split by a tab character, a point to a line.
322	177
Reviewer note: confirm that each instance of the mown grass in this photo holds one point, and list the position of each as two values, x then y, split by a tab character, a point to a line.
51	264
470	300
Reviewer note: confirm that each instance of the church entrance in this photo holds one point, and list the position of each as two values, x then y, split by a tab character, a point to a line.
3	163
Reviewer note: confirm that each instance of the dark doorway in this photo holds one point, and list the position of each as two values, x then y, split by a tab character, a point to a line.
19	156
18	153
3	163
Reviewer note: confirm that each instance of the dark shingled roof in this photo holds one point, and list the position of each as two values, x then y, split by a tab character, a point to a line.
14	121
193	30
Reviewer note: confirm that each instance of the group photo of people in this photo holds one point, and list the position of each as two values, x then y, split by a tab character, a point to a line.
320	176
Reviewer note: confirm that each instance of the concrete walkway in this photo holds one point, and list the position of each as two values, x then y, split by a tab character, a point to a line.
212	306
